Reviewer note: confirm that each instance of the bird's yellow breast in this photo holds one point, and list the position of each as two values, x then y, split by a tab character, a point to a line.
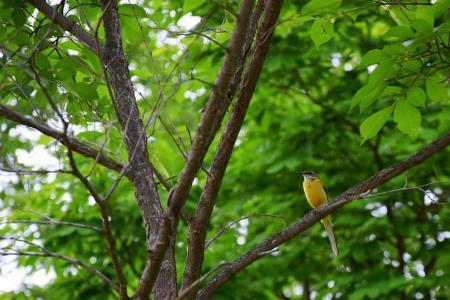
315	193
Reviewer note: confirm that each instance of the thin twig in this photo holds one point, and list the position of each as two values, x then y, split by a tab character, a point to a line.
223	229
186	291
52	222
74	261
402	189
30	172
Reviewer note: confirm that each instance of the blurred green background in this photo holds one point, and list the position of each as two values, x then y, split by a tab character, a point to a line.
394	246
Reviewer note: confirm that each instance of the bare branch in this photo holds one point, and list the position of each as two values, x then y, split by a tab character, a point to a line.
224	150
402	189
75	144
196	283
103	207
46	253
209	124
52	222
67	25
225	228
356	192
30	172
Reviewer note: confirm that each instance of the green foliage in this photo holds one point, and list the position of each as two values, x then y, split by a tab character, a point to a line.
373	124
411	61
315	103
407	117
321	32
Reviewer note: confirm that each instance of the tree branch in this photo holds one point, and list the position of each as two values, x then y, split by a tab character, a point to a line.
314	216
140	169
231	224
52	222
46	253
103	207
67	25
102	204
208	198
75	144
31	172
210	122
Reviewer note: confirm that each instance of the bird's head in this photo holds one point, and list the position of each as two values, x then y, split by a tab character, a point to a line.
309	175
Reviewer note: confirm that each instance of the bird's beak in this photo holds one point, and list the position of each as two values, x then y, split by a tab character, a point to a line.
303	173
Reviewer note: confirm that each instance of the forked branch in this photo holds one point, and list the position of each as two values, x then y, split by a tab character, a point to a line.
223	154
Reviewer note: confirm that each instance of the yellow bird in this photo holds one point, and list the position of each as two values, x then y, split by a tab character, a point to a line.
317	196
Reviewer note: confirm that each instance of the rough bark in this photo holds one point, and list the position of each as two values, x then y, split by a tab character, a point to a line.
210	122
222	156
140	173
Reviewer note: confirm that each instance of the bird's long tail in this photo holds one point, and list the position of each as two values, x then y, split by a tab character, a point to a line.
329	228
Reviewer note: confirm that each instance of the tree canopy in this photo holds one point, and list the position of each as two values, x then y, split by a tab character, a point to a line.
154	148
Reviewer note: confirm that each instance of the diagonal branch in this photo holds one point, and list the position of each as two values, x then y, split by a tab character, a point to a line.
356	192
223	153
30	172
52	222
102	204
46	253
75	144
66	24
103	207
210	122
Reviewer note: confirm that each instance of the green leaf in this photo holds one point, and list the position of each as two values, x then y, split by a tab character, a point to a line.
421	26
132	10
392	90
154	158
321	32
22	38
369	94
45	140
407	117
436	88
157	4
42	61
70	63
416	96
22	76
373	57
370	127
84	90
412	65
443	31
440	7
401	32
381	73
190	5
401	16
316	6
395	49
18	17
425	13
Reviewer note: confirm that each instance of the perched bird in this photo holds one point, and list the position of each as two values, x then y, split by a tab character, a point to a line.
317	196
